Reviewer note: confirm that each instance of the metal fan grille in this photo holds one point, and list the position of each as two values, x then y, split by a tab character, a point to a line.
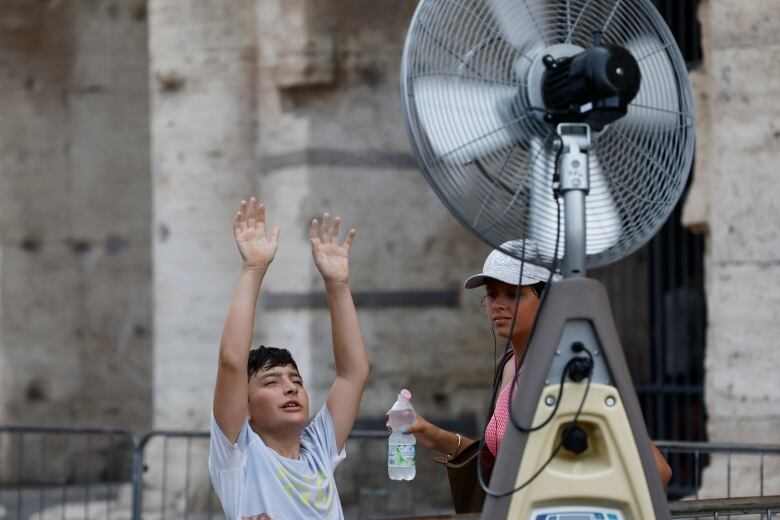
489	156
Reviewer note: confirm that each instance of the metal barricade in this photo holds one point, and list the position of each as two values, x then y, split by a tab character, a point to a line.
724	480
171	479
367	492
716	508
101	474
49	473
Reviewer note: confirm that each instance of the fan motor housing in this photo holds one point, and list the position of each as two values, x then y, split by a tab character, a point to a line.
594	86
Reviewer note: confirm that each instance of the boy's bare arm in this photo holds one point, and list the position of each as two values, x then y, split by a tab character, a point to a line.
349	350
257	249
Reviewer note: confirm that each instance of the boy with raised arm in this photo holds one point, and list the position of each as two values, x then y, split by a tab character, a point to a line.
267	460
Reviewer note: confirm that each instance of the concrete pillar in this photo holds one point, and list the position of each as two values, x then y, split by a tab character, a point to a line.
39	270
74	207
203	136
109	201
203	127
290	56
735	201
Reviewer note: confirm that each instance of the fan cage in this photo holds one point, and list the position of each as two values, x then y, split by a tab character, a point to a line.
490	157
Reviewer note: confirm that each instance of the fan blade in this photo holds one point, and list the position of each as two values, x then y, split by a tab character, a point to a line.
464	119
602	221
657	104
521	26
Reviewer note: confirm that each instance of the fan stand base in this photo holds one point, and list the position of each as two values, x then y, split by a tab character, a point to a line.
608	473
616	474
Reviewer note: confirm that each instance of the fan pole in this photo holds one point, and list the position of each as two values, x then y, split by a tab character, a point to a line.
593	459
574	185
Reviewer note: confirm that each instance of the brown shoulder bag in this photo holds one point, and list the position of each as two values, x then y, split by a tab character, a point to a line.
467	493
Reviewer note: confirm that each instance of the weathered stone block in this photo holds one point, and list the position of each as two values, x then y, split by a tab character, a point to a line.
203	143
310	63
737	23
737	153
742	356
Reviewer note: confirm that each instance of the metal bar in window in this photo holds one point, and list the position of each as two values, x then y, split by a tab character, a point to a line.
640	316
649	342
672	323
686	317
700	324
697	465
659	343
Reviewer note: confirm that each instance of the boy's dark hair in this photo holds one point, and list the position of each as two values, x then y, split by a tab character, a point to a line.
263	358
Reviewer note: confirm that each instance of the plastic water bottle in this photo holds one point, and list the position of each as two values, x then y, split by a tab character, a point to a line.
401	448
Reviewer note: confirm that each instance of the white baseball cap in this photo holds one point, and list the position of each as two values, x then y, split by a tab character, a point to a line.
504	268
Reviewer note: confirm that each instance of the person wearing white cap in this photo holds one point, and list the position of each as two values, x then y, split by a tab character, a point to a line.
510	314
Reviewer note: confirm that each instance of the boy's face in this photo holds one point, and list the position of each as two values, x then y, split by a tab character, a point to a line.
277	400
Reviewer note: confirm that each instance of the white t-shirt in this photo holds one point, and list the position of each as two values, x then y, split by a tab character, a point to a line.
250	478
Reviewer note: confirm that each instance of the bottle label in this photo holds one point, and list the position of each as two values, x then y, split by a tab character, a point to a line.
400	455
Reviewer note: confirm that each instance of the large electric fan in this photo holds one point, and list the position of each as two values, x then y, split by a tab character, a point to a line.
569	124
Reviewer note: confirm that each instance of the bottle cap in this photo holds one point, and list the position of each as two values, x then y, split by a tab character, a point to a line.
406	394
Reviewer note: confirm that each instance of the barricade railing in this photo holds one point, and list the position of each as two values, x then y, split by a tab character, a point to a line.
49	473
736	482
52	472
367	492
165	487
716	508
169	466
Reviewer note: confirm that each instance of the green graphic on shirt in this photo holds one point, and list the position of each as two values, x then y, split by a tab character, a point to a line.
316	491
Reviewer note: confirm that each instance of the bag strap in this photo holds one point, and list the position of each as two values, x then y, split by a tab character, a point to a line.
487	458
497	376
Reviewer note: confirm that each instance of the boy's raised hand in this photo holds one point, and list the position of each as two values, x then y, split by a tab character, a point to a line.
331	259
256	246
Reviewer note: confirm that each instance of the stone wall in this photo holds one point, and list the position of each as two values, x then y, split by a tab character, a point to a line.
735	201
75	201
298	103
